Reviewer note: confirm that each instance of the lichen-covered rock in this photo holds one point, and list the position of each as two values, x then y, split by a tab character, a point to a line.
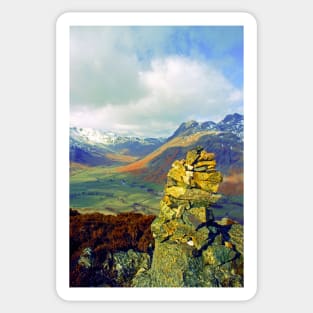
200	264
176	174
195	217
175	192
86	258
208	181
191	249
206	156
209	164
192	156
218	255
166	212
236	237
128	264
170	263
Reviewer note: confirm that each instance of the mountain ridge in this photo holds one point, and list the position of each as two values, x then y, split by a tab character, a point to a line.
95	147
225	139
103	187
230	123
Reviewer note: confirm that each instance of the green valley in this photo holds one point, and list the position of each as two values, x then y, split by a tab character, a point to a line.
101	189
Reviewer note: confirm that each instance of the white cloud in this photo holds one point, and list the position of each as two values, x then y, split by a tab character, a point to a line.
104	67
176	89
235	96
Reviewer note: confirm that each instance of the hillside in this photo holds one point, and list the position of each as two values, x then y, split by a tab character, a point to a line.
224	139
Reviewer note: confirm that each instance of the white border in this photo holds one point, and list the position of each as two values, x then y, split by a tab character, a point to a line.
62	155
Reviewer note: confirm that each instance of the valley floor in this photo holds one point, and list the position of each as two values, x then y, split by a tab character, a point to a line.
101	189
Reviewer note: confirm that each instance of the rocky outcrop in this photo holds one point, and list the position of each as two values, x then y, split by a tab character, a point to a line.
115	270
108	250
191	248
126	265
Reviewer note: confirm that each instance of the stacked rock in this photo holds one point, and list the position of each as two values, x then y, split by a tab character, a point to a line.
191	249
191	188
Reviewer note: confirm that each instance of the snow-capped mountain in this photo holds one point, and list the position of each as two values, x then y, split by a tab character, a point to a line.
96	147
92	136
106	138
232	123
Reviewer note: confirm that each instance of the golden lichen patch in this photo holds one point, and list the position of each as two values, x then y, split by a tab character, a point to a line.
176	174
175	192
206	156
209	164
228	244
226	221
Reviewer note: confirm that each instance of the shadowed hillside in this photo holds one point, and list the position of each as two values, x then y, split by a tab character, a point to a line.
226	146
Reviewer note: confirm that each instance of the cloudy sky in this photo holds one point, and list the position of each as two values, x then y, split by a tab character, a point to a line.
146	81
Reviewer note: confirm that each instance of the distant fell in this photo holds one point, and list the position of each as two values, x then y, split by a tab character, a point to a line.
225	139
232	123
95	147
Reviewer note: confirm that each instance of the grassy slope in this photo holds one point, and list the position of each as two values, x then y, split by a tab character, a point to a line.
101	189
122	158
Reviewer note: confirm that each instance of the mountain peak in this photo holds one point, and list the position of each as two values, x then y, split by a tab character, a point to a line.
189	124
235	117
186	128
231	123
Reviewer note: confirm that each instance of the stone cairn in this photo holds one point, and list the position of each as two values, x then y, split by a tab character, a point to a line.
191	188
191	249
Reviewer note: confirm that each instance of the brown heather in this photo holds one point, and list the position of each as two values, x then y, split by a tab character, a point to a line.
105	234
